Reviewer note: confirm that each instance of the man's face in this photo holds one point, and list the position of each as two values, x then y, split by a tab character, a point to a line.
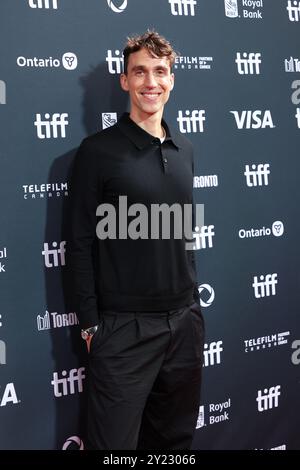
149	82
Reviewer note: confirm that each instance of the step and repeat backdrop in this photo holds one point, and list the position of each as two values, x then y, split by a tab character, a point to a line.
237	98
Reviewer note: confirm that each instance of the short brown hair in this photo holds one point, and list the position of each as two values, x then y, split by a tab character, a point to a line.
154	43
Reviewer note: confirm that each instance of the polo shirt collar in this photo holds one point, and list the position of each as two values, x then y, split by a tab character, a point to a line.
139	136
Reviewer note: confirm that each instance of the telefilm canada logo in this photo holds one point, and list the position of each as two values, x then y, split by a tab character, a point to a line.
247	9
45	190
193	63
68	61
266	342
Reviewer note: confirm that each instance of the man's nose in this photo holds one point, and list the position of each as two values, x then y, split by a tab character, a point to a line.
150	80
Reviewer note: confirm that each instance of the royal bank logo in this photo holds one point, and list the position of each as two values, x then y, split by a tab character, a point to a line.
117	6
47	4
193	63
68	60
248	119
115	62
277	230
73	443
293	9
183	7
2	92
55	256
45	191
266	342
56	320
215	413
51	126
3	256
207	295
206	181
201	418
265	285
268	398
250	9
8	395
108	120
68	383
231	8
192	121
248	63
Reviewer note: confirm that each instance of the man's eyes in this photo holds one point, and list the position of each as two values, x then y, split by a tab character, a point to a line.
157	72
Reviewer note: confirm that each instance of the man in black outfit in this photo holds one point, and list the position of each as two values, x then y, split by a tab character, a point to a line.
138	302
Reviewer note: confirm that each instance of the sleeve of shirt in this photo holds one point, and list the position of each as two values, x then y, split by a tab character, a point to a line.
85	186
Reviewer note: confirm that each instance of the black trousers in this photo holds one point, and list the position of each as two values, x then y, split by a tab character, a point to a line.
144	379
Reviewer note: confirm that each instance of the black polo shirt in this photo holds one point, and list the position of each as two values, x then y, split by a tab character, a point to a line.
126	274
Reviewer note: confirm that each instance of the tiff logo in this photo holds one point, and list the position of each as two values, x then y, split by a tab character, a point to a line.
56	256
258	176
257	119
266	286
2	92
269	399
115	63
108	119
297	116
183	7
293	8
249	64
191	123
212	353
48	129
66	384
43	4
204	237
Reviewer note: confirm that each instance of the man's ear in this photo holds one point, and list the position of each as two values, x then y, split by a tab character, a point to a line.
124	82
172	78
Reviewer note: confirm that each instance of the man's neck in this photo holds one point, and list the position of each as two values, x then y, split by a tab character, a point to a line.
150	124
